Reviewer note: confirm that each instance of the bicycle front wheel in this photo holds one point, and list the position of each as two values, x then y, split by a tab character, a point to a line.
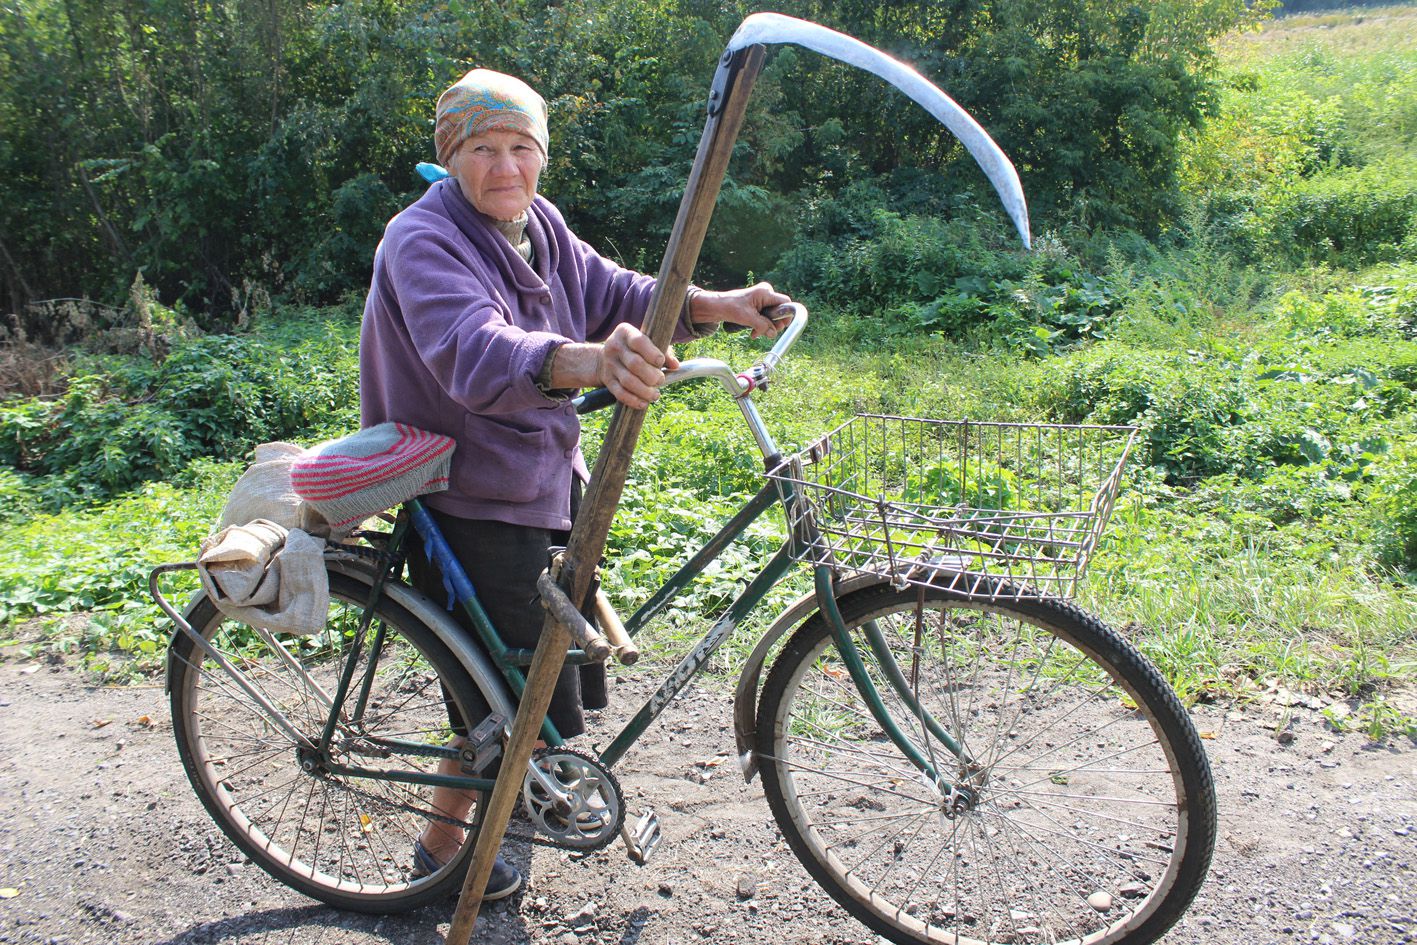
344	839
1079	808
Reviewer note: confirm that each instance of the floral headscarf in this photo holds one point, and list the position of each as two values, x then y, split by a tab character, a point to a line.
484	100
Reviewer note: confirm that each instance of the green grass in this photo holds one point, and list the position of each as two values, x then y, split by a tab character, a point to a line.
93	564
1366	33
1253	573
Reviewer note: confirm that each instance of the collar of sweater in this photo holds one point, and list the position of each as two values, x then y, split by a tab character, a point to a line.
529	276
515	232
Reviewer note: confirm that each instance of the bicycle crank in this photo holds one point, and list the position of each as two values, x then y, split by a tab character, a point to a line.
573	801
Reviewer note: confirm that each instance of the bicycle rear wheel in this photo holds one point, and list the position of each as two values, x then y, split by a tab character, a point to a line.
342	839
1083	809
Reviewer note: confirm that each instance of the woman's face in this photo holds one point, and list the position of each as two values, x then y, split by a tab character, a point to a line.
498	172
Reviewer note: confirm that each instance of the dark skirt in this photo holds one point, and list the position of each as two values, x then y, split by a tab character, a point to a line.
503	562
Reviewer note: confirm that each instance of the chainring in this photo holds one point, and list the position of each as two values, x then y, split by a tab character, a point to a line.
596	809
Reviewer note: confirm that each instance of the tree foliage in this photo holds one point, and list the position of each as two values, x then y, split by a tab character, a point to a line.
232	150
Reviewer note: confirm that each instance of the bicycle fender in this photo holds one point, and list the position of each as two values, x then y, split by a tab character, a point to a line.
745	697
478	665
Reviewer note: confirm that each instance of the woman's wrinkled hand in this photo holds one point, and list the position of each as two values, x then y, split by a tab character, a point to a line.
739	307
632	368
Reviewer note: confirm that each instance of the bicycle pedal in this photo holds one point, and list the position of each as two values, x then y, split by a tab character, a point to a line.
483	745
642	839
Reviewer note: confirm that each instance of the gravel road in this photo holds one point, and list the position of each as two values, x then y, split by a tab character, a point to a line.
102	840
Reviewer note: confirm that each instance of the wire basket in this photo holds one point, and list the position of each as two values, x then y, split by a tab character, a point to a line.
990	510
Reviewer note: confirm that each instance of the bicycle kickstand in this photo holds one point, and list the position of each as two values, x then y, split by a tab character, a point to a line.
643	837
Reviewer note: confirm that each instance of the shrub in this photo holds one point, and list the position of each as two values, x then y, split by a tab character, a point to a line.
926	273
1395	506
1352	217
127	420
1186	405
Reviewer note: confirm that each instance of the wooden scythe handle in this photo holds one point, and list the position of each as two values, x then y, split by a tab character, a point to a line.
587	542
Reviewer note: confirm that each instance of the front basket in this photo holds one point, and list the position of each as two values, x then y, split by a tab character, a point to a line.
990	510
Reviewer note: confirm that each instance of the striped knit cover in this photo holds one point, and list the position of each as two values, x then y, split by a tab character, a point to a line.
349	479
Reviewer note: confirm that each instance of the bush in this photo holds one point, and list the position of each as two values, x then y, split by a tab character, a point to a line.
1319	387
1352	217
1186	406
127	420
928	273
1395	505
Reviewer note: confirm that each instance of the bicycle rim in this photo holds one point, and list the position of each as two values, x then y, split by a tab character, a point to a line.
345	840
1082	807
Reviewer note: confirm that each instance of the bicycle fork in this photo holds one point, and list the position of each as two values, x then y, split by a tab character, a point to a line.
956	794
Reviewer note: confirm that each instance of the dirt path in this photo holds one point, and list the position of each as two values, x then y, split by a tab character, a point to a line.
104	842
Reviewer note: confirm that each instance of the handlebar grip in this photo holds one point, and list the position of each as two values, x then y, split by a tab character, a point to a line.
777	313
593	400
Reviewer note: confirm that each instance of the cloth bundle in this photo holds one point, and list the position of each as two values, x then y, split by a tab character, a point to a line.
268	576
266	566
349	479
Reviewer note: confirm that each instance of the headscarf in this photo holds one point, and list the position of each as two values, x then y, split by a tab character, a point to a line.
484	100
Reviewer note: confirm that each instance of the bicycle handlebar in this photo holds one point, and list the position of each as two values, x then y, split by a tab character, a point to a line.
736	384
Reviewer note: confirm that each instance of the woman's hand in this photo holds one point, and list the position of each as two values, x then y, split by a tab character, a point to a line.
628	364
632	367
739	307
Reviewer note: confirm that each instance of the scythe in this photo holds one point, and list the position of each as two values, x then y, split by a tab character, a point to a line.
776	29
738	69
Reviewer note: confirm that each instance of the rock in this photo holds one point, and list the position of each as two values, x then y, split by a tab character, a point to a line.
1344	930
747	886
666	890
569	938
582	915
1134	890
1285	737
1100	901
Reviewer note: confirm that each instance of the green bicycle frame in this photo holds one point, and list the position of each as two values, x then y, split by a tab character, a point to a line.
510	661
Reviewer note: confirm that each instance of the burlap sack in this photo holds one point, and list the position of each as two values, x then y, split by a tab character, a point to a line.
264	492
265	575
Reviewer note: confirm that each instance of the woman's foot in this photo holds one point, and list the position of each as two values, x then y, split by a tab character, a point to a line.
504	881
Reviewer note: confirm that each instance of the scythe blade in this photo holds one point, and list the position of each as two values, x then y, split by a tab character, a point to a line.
774	28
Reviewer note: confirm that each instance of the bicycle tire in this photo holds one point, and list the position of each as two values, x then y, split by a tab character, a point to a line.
1090	780
344	840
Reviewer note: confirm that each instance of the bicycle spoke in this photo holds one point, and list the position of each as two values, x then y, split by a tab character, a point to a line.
877	786
343	837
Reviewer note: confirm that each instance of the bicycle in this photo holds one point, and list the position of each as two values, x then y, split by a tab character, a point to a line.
953	751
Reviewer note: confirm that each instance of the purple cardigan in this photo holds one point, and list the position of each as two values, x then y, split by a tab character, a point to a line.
457	326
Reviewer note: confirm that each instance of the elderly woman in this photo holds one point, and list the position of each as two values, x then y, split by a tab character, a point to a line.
485	315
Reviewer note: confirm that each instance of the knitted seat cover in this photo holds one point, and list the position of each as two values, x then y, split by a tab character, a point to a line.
356	476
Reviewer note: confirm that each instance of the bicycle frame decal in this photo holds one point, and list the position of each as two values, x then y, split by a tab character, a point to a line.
688	667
